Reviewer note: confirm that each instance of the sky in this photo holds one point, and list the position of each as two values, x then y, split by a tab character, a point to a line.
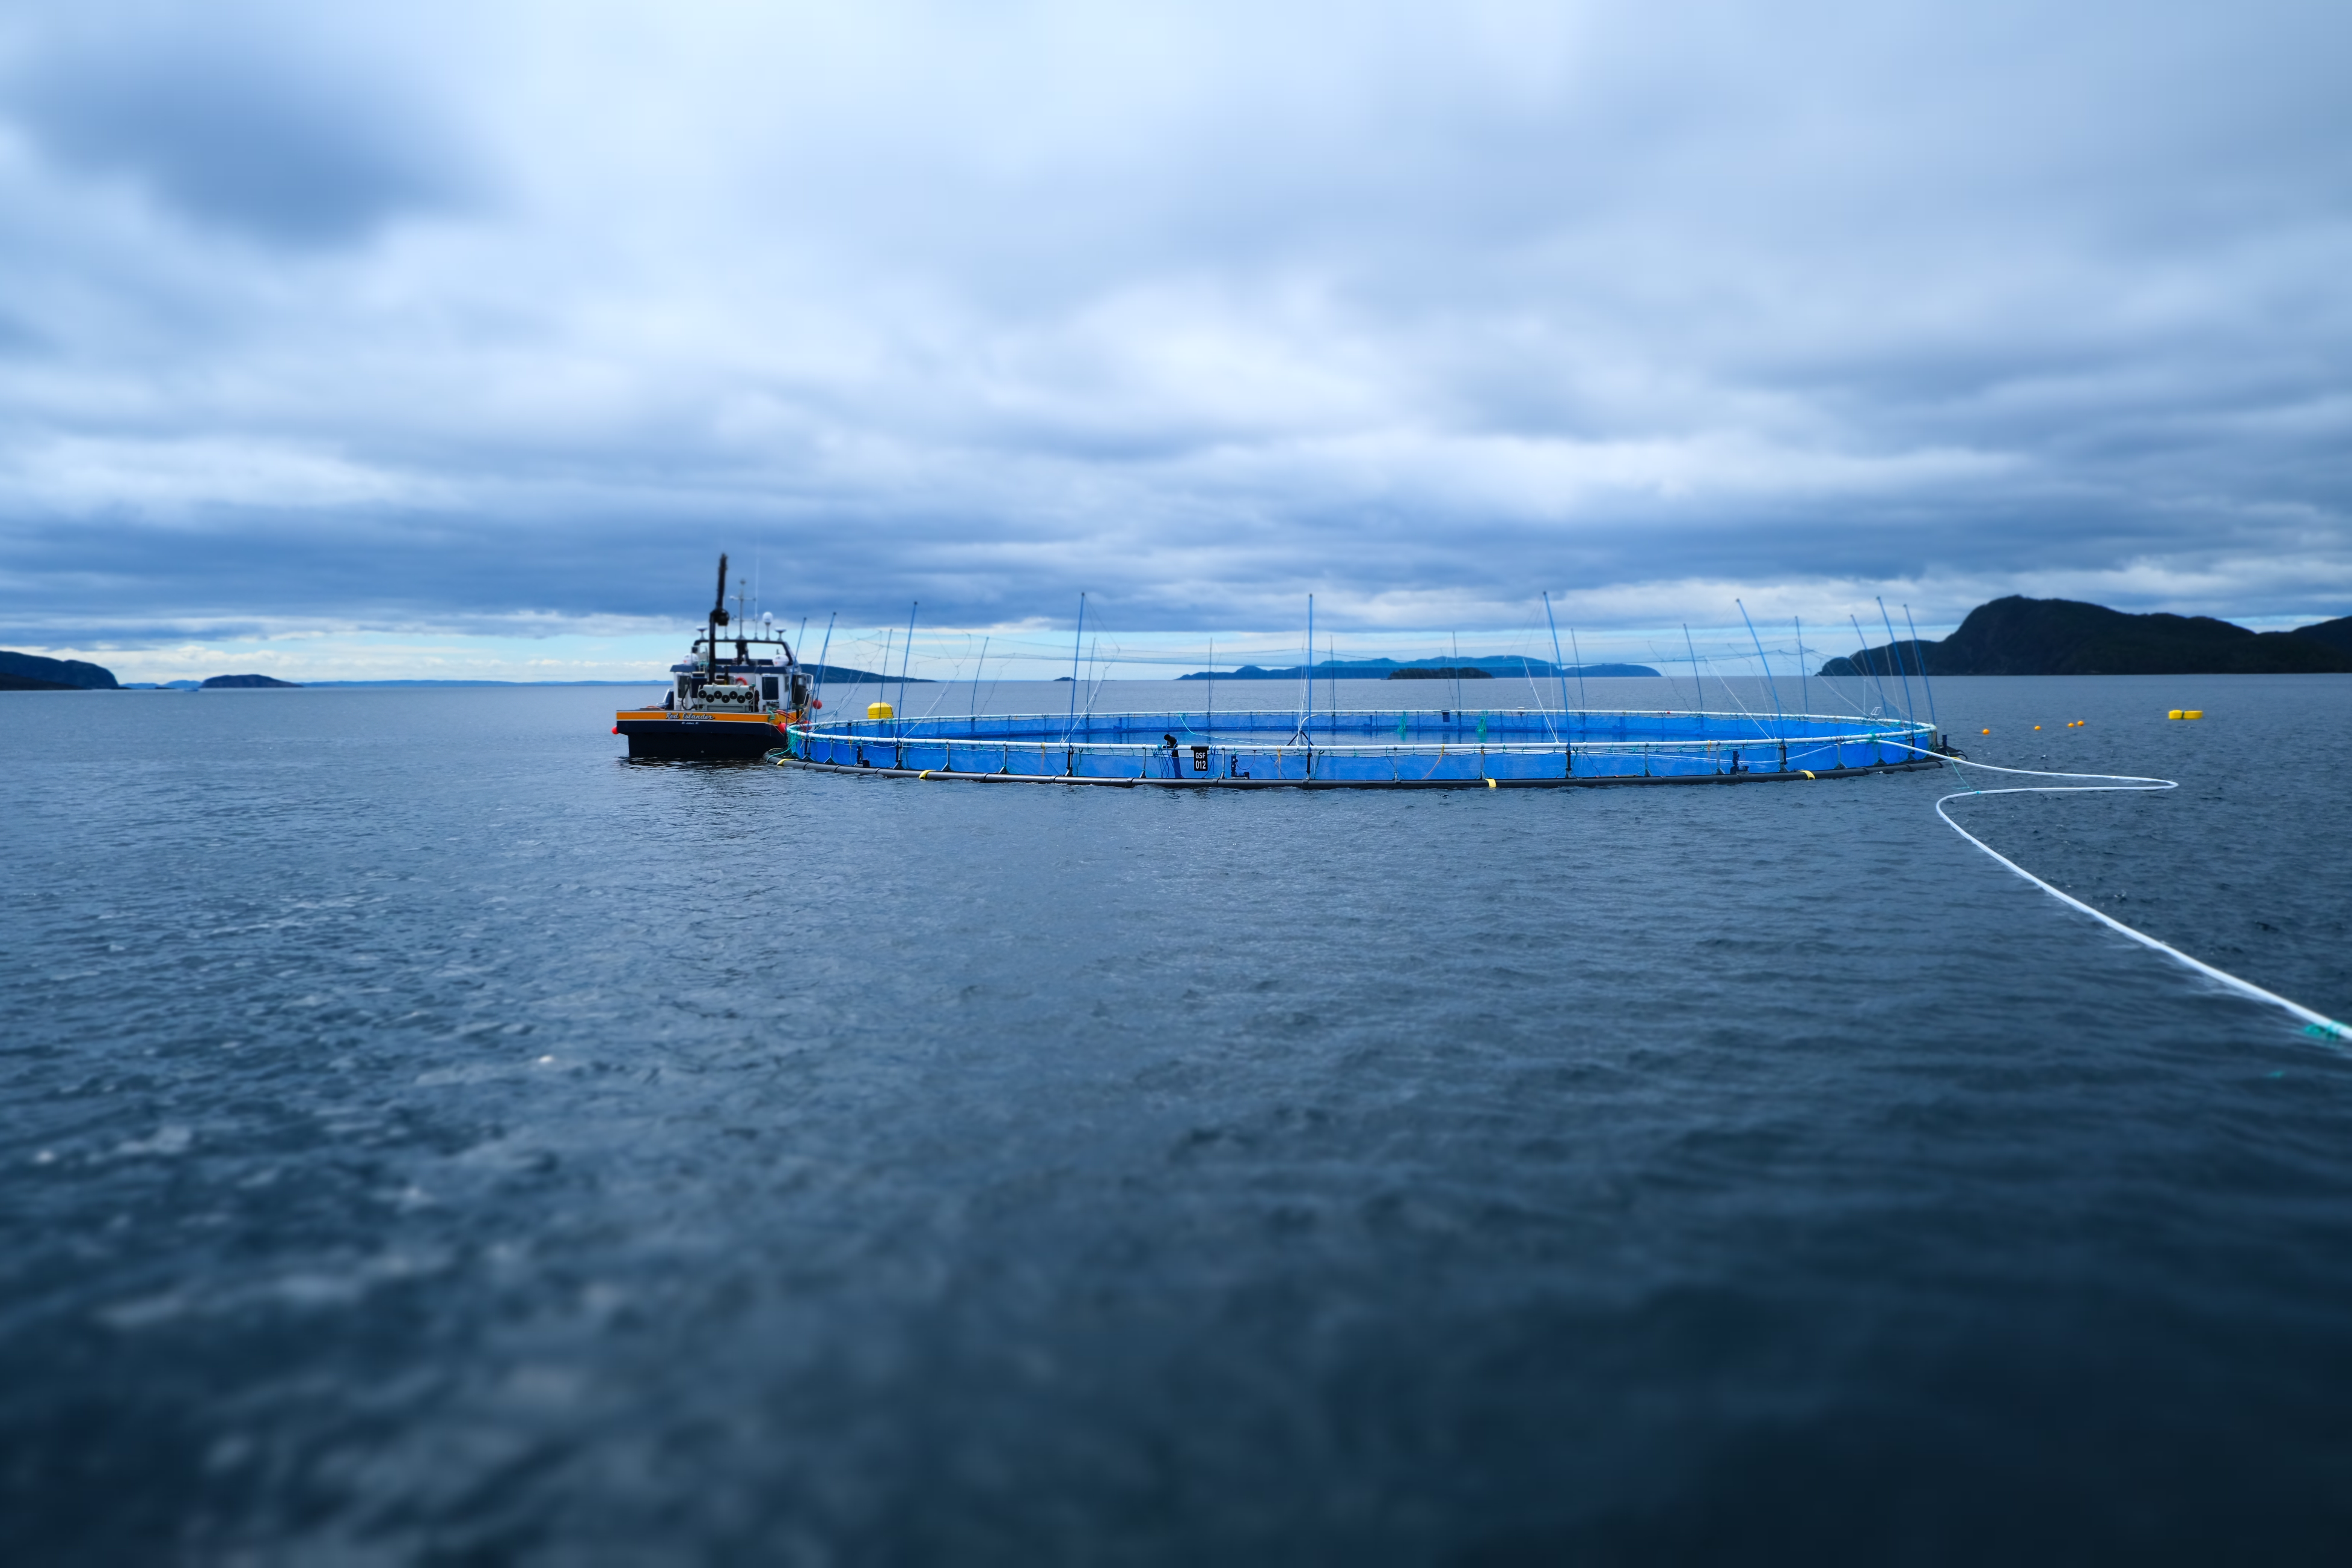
443	338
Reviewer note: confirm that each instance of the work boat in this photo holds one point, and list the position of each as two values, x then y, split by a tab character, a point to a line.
729	696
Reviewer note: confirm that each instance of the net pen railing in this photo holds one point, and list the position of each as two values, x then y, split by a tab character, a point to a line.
1359	747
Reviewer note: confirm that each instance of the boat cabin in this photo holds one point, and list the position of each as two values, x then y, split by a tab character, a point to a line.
750	675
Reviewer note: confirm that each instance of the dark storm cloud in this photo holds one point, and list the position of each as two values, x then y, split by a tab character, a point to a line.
1420	309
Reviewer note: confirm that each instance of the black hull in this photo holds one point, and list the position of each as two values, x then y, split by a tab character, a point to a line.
674	740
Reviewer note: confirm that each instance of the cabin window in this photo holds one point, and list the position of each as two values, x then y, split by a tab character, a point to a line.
767	688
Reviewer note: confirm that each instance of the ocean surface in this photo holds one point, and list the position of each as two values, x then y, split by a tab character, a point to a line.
426	1137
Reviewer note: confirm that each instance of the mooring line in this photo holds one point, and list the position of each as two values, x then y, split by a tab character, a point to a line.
2318	1024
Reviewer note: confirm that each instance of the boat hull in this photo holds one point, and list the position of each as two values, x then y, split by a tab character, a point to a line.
705	737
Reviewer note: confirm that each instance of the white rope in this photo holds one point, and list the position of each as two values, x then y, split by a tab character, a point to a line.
2317	1023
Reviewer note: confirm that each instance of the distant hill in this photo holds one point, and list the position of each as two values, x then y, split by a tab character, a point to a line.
1440	672
227	682
71	673
26	683
1387	668
2335	634
2018	636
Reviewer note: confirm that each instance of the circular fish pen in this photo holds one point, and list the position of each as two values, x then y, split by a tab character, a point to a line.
1407	749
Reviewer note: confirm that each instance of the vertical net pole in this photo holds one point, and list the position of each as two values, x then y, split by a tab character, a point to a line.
1777	719
1698	697
905	657
1869	666
1556	668
823	655
1804	673
1895	652
1919	656
1307	707
1077	641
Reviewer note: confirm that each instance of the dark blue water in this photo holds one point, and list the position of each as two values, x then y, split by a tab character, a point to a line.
426	1138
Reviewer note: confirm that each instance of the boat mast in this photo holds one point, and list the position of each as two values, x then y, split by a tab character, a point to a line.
718	619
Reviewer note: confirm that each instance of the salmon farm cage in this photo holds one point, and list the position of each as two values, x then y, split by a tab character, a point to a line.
1408	749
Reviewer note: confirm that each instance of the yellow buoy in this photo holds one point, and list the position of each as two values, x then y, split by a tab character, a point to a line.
2176	713
1984	732
2193	713
882	711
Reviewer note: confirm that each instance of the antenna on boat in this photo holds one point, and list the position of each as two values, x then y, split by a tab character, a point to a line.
718	617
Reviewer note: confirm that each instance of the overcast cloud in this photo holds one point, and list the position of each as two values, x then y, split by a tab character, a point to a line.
458	316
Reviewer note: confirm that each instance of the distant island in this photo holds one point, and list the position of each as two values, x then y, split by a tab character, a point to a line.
31	672
2016	635
2013	636
1428	670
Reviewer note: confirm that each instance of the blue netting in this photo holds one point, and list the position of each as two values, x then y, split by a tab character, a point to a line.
1366	748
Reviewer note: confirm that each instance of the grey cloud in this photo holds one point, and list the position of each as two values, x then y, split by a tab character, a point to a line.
1196	309
225	129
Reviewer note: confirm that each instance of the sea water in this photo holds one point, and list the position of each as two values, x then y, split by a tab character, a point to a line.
425	1136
